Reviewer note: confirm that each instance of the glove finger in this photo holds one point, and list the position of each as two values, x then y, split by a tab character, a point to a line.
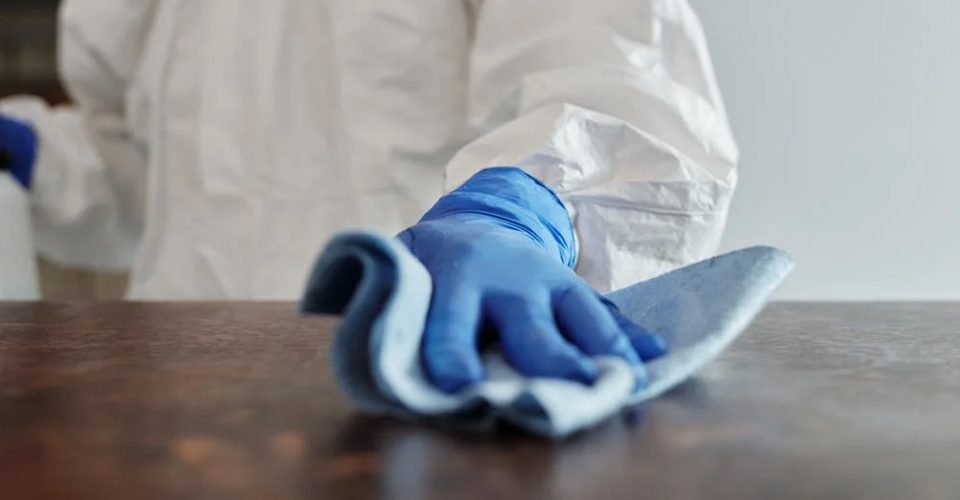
587	322
449	347
531	342
649	346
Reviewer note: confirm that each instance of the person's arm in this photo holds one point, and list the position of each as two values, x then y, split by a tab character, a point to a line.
612	104
87	177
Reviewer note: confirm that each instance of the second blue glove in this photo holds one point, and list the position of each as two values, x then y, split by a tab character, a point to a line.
18	149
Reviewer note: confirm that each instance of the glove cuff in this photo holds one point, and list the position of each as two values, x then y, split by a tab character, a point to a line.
513	198
18	150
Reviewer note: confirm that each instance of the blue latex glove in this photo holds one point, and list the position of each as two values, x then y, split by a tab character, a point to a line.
500	250
18	149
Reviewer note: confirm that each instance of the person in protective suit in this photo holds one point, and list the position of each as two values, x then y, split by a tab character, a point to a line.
212	147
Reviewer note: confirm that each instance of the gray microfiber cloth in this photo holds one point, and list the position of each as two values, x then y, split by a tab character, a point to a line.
383	293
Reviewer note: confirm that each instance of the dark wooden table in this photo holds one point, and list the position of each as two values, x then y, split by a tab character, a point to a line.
129	401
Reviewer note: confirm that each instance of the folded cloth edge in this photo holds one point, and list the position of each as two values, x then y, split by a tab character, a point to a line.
384	375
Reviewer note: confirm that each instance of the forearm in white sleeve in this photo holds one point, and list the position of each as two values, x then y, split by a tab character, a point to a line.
88	185
613	104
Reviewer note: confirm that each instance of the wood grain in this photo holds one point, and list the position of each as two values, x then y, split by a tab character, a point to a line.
133	400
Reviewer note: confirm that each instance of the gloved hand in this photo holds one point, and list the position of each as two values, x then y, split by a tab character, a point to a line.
500	250
18	149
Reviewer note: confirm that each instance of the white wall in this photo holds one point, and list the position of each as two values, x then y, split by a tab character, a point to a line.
848	117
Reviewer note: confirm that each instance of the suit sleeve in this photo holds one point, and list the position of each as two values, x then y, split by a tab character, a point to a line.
614	105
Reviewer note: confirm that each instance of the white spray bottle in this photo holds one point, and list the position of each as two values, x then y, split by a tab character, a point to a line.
18	266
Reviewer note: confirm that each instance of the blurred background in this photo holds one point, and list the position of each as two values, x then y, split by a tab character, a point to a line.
27	48
28	30
847	117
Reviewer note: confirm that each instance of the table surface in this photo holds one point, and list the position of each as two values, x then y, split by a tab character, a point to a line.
134	400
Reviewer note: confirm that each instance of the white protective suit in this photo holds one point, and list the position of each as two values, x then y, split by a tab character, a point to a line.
215	145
